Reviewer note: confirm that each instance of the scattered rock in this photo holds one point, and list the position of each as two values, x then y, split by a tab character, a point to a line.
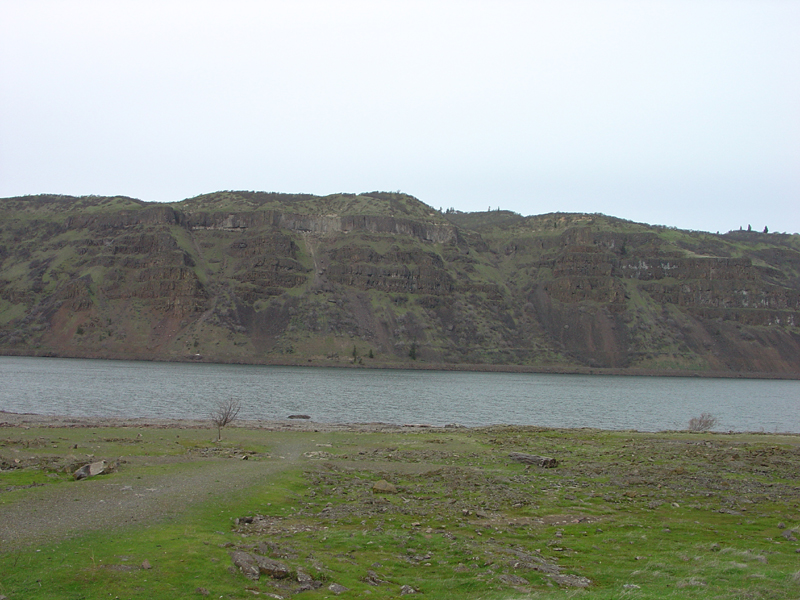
203	591
246	564
715	547
337	588
631	586
90	470
513	580
307	582
571	580
273	568
781	525
789	534
146	565
303	577
372	578
532	459
383	487
407	589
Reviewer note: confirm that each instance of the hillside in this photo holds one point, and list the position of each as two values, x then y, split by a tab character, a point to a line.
276	278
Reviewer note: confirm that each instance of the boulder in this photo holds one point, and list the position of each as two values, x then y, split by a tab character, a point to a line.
383	487
246	564
337	588
274	568
90	470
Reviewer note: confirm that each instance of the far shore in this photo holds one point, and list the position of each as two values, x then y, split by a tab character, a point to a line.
368	363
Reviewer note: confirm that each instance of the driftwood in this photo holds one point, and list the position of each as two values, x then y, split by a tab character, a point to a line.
532	459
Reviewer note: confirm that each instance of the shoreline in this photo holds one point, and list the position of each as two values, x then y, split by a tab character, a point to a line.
34	420
418	366
28	420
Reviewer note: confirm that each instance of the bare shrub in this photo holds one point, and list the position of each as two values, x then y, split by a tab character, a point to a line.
226	411
702	423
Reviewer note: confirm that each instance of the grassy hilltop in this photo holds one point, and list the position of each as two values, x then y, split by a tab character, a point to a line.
375	512
382	279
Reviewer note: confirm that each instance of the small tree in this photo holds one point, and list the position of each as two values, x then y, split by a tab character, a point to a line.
412	354
226	411
702	423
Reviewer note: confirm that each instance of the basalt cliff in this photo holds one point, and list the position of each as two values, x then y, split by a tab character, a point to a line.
382	279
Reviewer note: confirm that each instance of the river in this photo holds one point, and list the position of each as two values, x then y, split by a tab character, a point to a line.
80	388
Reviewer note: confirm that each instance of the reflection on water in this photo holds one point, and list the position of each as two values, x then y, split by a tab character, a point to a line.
79	387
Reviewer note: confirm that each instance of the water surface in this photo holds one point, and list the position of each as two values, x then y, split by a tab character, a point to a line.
77	387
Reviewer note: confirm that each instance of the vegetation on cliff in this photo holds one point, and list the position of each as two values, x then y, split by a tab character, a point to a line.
375	278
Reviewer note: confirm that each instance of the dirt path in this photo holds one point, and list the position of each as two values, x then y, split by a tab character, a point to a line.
135	496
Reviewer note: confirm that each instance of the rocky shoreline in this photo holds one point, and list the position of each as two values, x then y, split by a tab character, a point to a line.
10	419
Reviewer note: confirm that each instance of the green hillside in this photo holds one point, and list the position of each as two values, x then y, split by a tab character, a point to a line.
382	279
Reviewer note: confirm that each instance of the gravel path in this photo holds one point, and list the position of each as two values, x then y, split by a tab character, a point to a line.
134	496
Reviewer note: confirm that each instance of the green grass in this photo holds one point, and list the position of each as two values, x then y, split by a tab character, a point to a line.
678	515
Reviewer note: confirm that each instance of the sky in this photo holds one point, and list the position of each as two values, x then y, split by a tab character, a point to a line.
677	113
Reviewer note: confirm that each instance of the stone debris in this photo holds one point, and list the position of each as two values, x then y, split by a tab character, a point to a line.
372	578
532	459
515	580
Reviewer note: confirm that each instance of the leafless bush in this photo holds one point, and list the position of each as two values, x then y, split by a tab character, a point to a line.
702	423
226	411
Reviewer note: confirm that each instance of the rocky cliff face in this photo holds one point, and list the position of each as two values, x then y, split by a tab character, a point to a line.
252	277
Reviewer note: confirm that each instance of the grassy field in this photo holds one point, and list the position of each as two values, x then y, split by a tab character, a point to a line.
623	515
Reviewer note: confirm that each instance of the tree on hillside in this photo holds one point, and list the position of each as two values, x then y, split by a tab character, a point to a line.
226	411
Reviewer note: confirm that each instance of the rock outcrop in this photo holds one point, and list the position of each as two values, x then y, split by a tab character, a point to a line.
271	278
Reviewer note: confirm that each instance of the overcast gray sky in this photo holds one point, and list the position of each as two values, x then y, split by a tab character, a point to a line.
666	112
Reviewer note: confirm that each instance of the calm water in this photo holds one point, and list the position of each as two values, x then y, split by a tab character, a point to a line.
78	387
